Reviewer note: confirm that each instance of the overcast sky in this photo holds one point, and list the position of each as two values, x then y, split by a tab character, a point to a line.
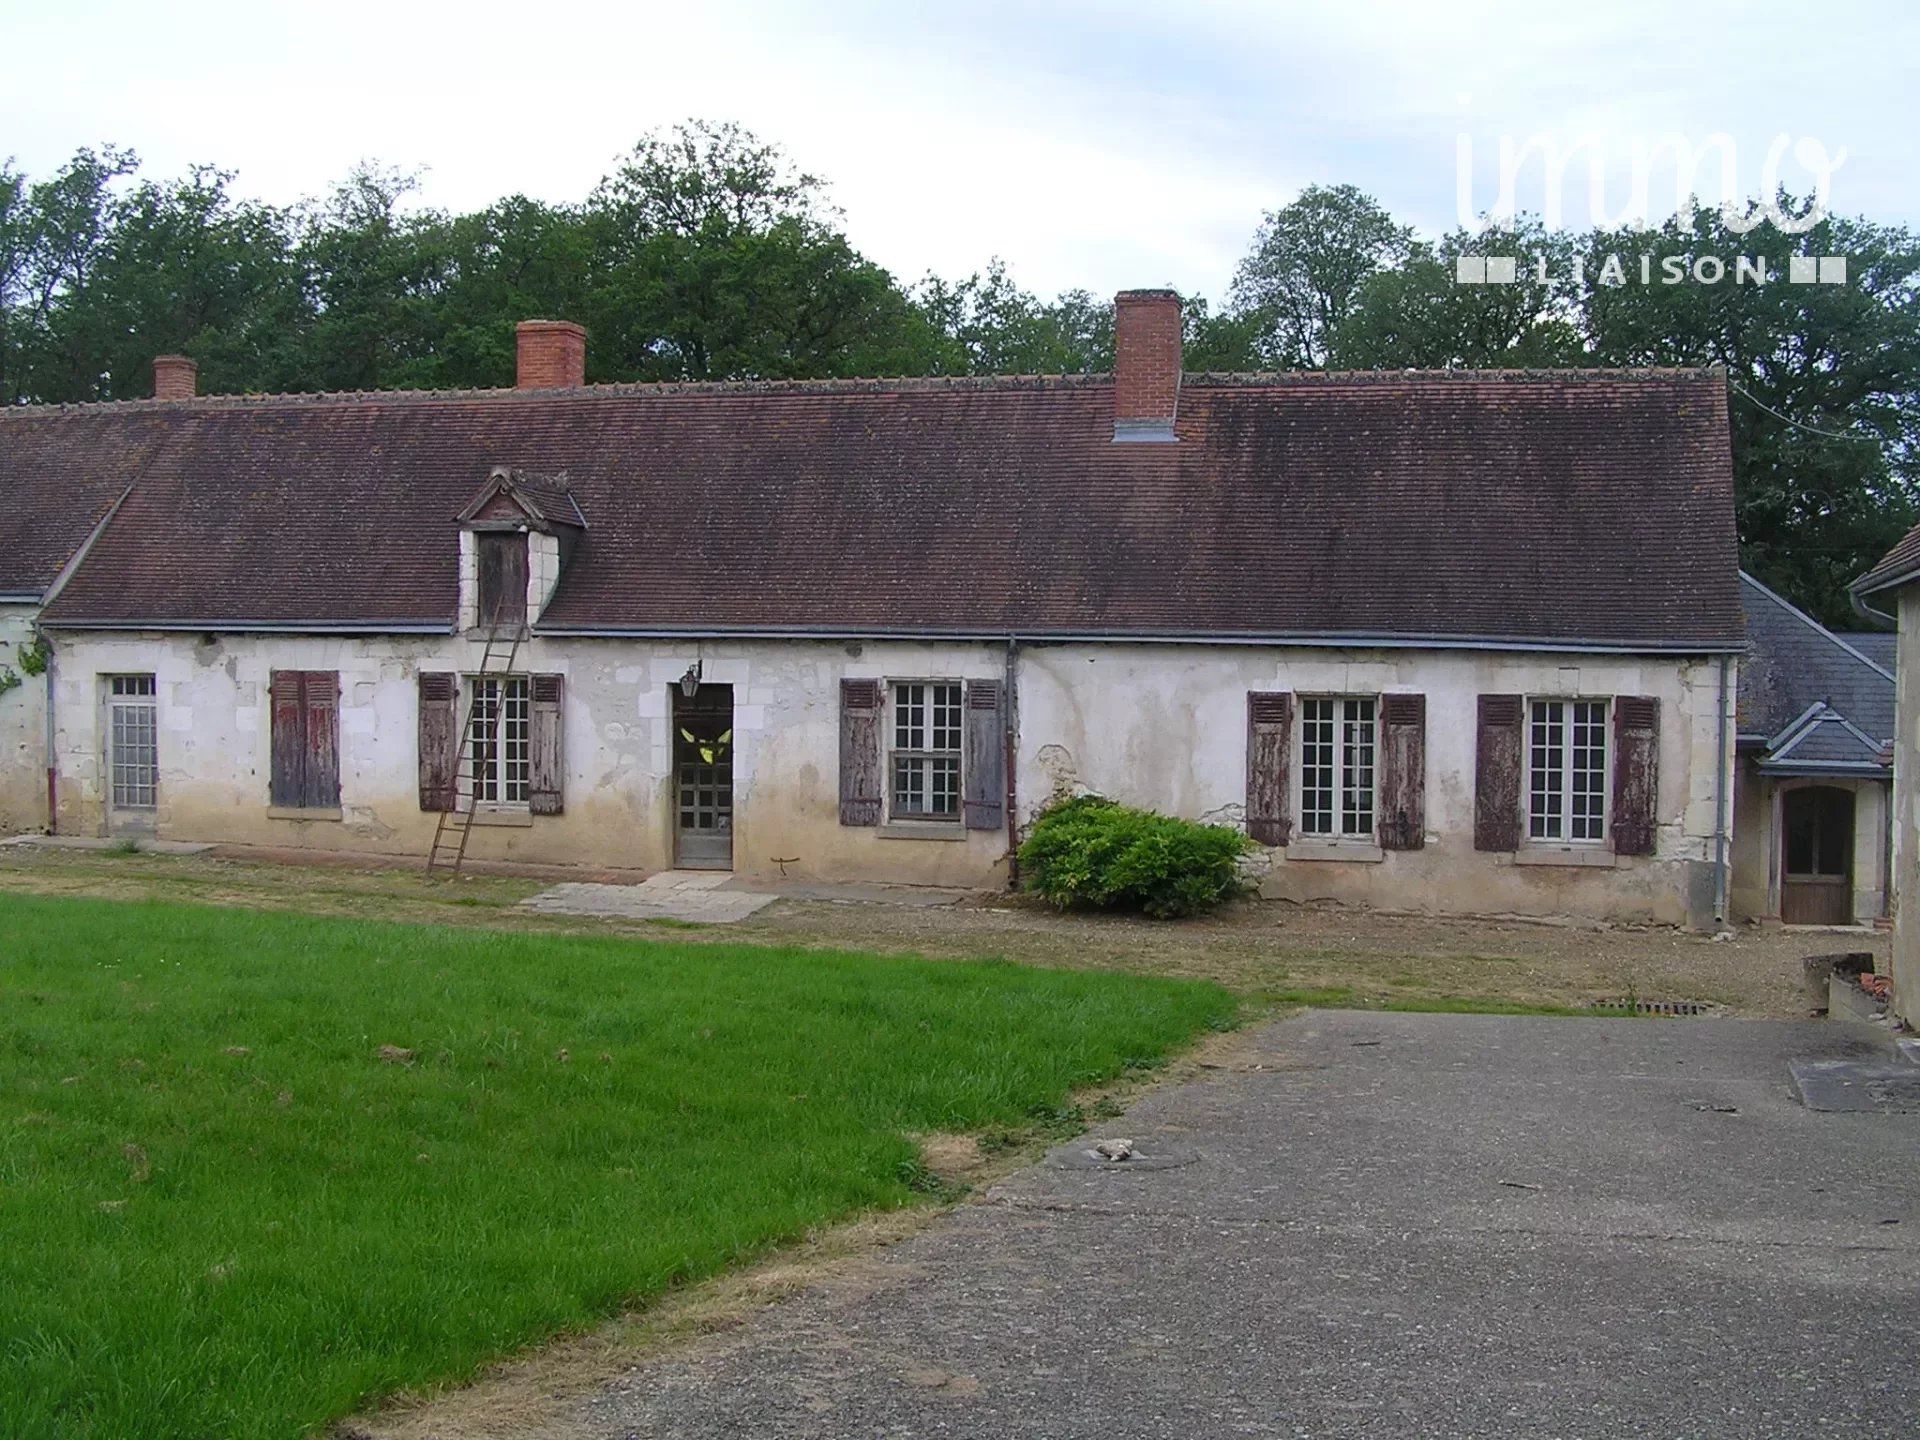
1096	145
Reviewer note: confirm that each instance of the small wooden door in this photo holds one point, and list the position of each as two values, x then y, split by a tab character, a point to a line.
703	778
1816	856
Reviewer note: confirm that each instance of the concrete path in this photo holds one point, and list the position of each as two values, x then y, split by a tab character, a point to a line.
690	895
1387	1225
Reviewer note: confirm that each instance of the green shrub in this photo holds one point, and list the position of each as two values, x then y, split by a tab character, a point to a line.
1092	851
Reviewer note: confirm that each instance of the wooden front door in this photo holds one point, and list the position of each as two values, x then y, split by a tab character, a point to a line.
703	778
1816	856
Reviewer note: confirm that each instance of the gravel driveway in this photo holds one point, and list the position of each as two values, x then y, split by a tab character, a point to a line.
1384	1225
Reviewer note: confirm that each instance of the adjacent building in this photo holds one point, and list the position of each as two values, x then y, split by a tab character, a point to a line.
1440	641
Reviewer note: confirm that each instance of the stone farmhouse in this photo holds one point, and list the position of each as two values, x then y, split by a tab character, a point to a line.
1439	641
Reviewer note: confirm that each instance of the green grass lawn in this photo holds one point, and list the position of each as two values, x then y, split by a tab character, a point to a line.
222	1212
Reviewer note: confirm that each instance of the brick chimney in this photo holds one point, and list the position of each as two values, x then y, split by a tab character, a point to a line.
1146	364
175	377
552	355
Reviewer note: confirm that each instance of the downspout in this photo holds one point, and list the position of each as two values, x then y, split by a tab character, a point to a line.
53	763
1720	787
1011	691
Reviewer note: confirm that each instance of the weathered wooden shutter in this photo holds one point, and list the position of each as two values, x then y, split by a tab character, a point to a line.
1496	773
985	761
860	752
288	739
546	760
1402	821
320	700
439	741
1636	773
1269	760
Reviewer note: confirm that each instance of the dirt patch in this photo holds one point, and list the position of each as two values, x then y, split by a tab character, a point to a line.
1273	952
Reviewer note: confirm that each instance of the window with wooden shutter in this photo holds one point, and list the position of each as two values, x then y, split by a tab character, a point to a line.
305	739
546	763
984	770
502	558
1636	773
1269	755
1402	823
439	741
1498	761
860	709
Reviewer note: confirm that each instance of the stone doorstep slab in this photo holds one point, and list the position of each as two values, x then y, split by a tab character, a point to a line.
696	904
1874	1087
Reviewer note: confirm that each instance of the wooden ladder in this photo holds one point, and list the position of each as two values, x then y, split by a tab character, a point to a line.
449	850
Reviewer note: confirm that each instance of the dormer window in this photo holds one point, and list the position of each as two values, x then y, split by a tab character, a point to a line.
502	557
515	537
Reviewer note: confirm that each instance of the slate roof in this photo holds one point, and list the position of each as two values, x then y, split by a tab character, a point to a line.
1807	694
46	514
1549	508
1880	646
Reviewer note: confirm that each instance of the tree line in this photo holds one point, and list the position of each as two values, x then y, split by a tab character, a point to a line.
706	253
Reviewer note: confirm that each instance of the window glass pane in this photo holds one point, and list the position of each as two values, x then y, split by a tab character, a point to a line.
1317	778
515	718
1546	762
909	717
1356	767
133	735
1587	778
484	743
946	718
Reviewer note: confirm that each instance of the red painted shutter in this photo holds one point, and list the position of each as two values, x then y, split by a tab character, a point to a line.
320	696
1402	822
288	717
1496	775
1269	766
546	768
984	764
439	742
1636	773
860	752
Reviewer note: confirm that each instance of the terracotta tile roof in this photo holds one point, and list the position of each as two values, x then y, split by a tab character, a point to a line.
51	498
1562	506
1896	567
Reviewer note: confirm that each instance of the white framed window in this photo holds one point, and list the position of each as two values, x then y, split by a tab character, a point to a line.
133	741
924	760
497	741
1337	734
1567	771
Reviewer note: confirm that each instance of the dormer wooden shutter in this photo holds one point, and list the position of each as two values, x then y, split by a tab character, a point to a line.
1269	766
984	763
860	712
1402	822
1636	773
546	760
439	741
1498	753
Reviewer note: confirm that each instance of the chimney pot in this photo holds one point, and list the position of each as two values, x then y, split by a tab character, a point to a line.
552	355
175	377
1146	364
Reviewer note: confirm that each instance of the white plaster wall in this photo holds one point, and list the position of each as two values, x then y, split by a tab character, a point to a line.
1165	727
215	737
23	745
1157	725
1906	853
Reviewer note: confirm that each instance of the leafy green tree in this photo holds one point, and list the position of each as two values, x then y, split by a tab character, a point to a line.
1825	381
1304	274
1418	315
987	325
